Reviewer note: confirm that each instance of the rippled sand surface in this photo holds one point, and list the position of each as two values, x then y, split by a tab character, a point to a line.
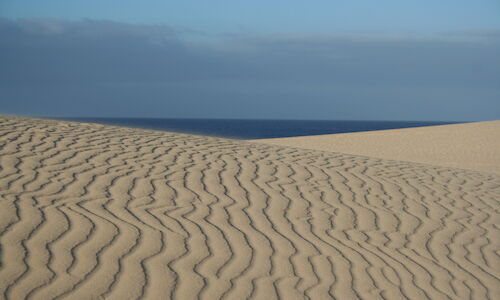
472	146
90	211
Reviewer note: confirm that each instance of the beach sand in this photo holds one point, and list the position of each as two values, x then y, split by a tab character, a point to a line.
90	211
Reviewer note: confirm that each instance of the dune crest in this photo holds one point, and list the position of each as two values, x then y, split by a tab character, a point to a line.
469	145
91	211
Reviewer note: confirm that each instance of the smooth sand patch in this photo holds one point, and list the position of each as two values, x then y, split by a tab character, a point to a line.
474	146
99	212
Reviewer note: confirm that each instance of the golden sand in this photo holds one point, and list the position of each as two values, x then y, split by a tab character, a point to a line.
90	211
472	146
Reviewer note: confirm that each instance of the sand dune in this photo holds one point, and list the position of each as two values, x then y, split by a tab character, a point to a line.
470	146
91	211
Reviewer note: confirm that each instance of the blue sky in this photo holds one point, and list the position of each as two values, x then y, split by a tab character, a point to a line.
391	60
276	16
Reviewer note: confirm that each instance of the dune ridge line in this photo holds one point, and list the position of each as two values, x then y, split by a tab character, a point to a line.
471	146
89	211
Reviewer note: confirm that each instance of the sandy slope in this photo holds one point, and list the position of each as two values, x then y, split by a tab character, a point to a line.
472	146
91	211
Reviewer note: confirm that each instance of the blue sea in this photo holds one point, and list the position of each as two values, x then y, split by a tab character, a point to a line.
255	129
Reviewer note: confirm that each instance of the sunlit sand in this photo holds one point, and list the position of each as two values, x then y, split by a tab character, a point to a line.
90	211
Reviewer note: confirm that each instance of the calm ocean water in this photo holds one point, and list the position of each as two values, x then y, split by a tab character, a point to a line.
255	129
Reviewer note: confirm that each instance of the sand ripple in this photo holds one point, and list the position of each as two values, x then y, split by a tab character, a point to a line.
90	211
